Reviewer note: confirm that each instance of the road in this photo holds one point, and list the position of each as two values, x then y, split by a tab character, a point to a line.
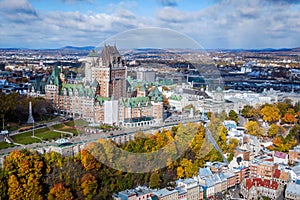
85	138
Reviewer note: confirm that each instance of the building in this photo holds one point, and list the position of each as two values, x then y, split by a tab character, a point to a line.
140	193
266	169
109	70
191	186
294	155
104	96
280	157
165	194
258	187
145	75
292	191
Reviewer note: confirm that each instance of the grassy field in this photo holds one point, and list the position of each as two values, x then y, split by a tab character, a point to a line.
45	133
4	145
65	127
25	138
49	135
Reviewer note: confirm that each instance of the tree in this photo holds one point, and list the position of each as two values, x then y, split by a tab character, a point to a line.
88	161
59	192
270	113
166	103
273	130
253	128
25	170
155	180
7	104
233	116
89	185
180	172
289	118
250	112
283	107
3	186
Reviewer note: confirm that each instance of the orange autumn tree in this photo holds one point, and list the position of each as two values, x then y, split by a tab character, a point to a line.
59	192
88	161
289	118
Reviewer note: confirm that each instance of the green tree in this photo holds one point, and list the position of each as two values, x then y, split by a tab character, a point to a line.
283	107
273	130
250	112
155	180
233	116
7	105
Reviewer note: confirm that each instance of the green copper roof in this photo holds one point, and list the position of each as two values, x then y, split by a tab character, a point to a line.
137	102
175	97
54	77
155	95
95	83
83	90
101	100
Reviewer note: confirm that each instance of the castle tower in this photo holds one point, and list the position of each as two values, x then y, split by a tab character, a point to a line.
109	70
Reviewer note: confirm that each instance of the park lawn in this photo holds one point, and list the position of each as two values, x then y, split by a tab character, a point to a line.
58	126
70	129
80	123
25	138
66	128
70	123
41	130
4	145
49	135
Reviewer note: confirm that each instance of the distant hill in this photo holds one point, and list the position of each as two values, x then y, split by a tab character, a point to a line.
72	48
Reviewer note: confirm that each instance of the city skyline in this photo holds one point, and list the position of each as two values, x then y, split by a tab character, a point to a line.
212	24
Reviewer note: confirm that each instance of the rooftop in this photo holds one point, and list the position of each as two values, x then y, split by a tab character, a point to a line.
293	188
165	192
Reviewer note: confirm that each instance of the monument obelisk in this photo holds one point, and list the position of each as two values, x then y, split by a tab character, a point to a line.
30	118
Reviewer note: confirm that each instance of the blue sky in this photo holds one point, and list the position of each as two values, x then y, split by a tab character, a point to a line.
210	23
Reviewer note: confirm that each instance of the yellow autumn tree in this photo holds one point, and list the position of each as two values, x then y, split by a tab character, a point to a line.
253	128
270	113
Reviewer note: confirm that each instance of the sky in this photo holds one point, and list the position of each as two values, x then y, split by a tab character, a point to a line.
211	24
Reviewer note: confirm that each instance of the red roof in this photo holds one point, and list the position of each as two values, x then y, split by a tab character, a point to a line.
276	173
258	182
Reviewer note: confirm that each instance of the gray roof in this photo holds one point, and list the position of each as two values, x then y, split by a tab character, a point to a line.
296	169
187	181
216	178
209	182
293	188
204	172
164	192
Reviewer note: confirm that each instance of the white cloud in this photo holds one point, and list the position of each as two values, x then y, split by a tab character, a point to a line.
18	10
226	24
